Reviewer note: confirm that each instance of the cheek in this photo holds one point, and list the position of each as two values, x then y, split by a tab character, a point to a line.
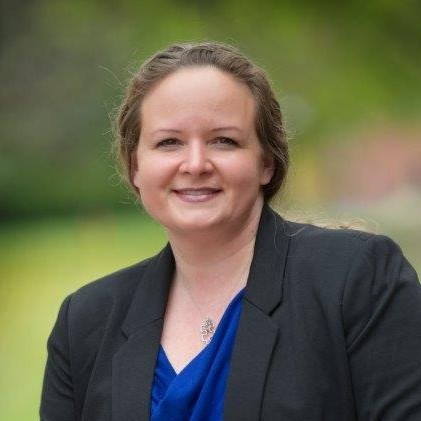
153	173
246	174
143	177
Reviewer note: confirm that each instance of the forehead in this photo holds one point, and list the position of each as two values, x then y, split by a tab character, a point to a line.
199	96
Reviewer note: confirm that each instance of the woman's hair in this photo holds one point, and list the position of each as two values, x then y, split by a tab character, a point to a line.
269	124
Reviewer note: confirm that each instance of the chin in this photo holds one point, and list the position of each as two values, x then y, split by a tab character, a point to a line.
189	223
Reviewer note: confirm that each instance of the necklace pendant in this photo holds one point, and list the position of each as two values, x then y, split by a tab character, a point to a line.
207	329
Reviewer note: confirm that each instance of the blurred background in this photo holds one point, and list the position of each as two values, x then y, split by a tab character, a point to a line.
348	76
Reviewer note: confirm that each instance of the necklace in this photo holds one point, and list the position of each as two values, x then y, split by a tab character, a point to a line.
208	325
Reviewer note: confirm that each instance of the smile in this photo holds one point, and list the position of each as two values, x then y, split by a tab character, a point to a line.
202	194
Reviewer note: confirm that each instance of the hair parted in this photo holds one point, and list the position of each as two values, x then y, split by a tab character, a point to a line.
269	123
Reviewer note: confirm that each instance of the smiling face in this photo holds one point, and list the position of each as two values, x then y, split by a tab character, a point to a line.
199	164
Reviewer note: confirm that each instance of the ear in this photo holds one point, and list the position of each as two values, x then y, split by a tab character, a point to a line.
134	170
268	169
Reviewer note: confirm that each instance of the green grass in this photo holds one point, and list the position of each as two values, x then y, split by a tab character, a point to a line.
42	262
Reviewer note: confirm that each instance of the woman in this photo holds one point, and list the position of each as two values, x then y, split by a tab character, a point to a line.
243	315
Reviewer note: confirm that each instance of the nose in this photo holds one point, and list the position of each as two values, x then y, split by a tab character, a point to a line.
196	159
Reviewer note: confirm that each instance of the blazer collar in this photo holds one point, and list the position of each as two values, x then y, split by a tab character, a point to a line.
257	333
264	286
151	296
134	363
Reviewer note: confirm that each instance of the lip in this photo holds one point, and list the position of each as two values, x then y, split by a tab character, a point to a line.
197	194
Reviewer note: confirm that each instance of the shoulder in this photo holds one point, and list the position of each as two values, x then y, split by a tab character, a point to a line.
340	245
366	274
316	242
309	235
342	261
315	253
305	241
357	273
107	297
118	283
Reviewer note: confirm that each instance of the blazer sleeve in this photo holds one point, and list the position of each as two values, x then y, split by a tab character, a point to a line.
57	401
381	311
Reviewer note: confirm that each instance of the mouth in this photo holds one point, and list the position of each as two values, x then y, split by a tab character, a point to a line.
197	194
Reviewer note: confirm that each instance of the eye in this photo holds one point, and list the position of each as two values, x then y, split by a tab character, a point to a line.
226	141
168	143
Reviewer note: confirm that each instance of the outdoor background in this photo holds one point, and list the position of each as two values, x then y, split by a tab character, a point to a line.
349	81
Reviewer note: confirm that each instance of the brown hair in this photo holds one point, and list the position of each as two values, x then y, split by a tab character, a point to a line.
269	124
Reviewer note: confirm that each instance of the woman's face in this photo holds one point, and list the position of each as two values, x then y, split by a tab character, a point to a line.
199	164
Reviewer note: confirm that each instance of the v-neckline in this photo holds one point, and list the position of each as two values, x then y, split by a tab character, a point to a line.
189	364
206	349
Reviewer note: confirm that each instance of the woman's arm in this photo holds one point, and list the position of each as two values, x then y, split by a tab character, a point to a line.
57	402
382	320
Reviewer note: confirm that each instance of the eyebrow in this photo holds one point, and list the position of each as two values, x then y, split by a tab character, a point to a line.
166	131
219	129
216	129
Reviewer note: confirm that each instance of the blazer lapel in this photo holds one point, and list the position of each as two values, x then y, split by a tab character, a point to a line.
134	363
257	334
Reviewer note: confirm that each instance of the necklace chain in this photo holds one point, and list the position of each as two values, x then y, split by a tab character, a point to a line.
208	325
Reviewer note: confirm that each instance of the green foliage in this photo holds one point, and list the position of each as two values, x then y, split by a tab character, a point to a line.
64	65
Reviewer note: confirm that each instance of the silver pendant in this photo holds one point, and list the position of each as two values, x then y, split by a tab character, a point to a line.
207	329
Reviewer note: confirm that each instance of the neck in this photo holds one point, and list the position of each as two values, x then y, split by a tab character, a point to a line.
214	262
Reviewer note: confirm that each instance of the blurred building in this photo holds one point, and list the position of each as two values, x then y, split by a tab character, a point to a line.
376	167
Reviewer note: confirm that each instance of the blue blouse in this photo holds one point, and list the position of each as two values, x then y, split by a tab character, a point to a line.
197	392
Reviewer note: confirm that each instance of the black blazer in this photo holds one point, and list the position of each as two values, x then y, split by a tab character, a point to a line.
330	330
